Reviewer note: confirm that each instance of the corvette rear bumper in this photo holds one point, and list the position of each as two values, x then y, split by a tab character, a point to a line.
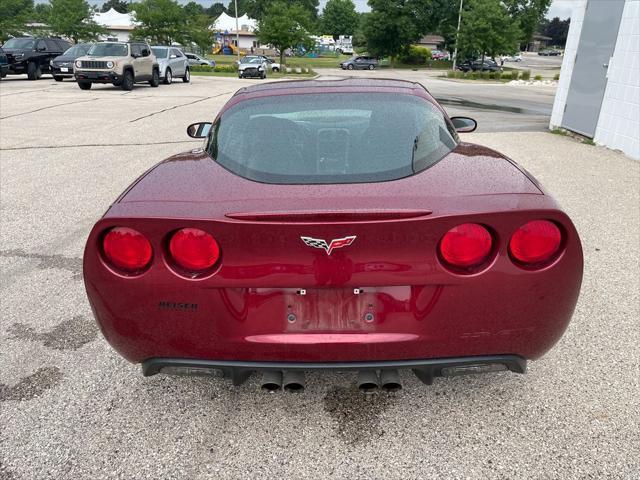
425	370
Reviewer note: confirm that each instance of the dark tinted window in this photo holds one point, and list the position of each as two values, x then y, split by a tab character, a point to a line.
63	45
160	52
108	50
52	45
337	138
136	49
20	43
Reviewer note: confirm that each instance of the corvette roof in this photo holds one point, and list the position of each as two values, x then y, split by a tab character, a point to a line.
334	82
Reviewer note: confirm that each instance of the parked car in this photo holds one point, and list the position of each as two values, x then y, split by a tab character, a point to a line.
512	58
412	249
172	63
195	59
119	63
479	65
62	66
4	64
271	63
344	50
549	53
440	55
360	62
253	67
31	55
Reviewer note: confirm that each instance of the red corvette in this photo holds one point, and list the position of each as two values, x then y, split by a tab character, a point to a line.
336	224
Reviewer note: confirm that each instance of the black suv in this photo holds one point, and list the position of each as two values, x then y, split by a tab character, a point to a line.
31	55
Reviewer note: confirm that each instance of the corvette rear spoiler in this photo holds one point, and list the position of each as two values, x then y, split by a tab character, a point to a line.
335	216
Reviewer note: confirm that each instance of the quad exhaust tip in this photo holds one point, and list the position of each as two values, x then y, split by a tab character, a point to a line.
390	380
271	381
293	380
368	381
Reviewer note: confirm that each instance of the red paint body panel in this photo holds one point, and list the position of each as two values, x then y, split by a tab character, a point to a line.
419	308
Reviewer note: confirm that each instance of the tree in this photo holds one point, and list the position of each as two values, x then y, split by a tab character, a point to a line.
13	17
121	6
161	21
391	27
215	10
339	17
193	9
527	15
197	31
285	26
556	29
487	29
41	12
72	19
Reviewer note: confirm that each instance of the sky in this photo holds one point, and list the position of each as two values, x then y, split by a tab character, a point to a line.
559	8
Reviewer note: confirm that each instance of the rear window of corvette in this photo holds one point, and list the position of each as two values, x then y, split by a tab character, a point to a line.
330	138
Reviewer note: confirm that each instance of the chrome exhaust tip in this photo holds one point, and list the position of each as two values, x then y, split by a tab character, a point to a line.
293	380
368	381
390	380
271	381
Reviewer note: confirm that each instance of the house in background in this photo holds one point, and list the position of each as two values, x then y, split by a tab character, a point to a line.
225	28
538	42
119	25
432	42
598	94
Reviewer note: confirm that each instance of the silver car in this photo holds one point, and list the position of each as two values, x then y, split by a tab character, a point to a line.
195	59
173	63
253	67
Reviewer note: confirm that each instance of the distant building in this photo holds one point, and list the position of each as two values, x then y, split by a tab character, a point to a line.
538	42
119	25
432	42
598	94
225	28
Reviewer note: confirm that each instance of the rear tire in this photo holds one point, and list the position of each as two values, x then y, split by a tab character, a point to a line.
33	71
155	78
371	67
168	77
58	78
84	85
127	81
187	76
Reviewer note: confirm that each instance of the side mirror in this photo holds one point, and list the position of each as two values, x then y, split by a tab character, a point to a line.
199	130
464	124
41	48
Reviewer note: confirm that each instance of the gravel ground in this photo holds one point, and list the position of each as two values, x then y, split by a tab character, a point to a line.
70	407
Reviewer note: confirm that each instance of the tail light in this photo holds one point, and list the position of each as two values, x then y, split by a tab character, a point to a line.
465	246
194	249
535	242
127	249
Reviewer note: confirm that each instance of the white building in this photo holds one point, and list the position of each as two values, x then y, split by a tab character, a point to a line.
227	23
118	25
598	94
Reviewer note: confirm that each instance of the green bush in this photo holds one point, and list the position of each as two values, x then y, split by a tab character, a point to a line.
497	75
475	75
508	76
526	75
452	74
232	68
415	56
201	68
538	77
514	74
556	76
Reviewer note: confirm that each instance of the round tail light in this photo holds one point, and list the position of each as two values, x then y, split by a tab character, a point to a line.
535	242
127	249
194	249
465	246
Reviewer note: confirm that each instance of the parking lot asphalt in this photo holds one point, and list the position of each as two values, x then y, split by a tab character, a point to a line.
70	407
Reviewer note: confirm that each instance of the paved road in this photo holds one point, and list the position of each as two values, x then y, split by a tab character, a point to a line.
497	107
72	408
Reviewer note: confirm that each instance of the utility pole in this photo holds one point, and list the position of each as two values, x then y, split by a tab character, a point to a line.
238	33
455	51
